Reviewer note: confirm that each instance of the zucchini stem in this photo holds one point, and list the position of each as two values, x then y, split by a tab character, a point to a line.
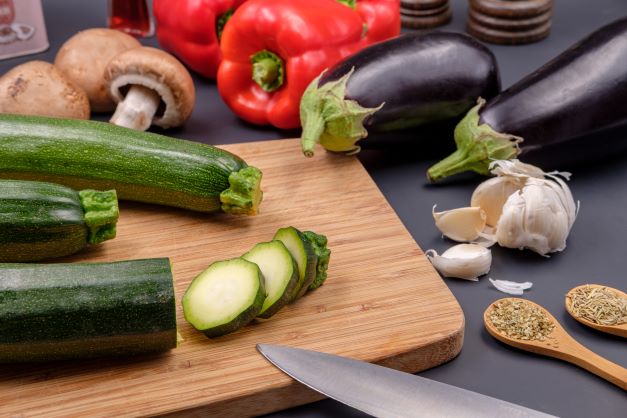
477	146
101	214
331	119
137	109
244	194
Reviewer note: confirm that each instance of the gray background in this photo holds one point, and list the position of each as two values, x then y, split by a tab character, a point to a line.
596	248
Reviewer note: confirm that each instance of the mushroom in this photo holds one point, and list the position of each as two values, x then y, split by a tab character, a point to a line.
152	87
84	57
38	88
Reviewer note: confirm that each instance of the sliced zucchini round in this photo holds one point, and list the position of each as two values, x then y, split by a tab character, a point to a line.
224	297
279	271
304	254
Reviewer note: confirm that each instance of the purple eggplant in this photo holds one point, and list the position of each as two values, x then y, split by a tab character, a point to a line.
570	111
409	81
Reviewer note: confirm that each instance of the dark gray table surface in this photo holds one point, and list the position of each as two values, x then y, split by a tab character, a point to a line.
596	251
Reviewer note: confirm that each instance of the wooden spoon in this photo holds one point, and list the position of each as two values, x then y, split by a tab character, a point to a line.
559	344
620	330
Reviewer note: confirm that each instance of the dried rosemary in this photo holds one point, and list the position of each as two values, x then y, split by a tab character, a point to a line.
600	305
521	320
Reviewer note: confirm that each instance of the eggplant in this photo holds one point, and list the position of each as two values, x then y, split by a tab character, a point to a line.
569	112
405	82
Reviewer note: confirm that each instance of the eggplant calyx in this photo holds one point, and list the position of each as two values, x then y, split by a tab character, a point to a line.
330	119
477	146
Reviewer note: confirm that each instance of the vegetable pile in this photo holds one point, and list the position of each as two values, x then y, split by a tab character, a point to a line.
231	293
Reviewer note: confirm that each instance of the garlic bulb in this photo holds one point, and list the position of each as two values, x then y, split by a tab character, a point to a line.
464	261
462	224
537	209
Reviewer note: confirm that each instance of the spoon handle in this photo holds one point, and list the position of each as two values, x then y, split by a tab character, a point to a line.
583	357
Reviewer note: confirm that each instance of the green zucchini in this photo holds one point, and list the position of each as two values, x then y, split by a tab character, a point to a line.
280	274
140	166
304	254
225	297
84	310
323	255
44	220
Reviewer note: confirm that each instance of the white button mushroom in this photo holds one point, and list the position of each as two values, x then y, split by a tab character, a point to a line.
84	57
38	88
152	87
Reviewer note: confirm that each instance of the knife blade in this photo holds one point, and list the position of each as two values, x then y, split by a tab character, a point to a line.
384	392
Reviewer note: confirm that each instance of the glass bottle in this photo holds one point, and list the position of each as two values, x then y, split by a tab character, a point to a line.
131	16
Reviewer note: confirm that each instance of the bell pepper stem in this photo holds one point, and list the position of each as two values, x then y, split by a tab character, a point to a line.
100	213
221	22
477	146
331	119
267	70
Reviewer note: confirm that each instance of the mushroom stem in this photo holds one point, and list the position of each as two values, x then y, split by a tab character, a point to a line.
137	109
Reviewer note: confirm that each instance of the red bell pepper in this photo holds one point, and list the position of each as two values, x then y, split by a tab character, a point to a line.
273	49
191	30
382	18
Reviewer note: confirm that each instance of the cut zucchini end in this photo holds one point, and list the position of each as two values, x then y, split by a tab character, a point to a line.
323	255
101	214
280	274
224	297
303	253
244	194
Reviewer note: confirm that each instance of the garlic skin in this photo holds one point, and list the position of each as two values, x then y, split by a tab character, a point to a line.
464	261
462	224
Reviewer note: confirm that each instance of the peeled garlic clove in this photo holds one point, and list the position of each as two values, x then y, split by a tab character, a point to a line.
464	261
492	194
462	224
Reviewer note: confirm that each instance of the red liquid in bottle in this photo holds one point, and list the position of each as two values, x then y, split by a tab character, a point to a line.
130	16
7	12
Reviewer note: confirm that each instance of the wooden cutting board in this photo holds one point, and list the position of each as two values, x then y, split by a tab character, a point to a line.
382	302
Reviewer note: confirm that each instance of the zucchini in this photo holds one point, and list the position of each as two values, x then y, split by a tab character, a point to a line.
140	166
323	255
67	311
44	220
304	254
280	274
225	297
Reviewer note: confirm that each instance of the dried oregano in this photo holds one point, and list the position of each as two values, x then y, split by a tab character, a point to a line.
521	320
600	305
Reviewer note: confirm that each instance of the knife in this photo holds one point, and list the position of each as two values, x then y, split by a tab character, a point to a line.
384	392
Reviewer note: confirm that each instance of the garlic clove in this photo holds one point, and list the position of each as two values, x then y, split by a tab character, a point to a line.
464	261
462	224
515	168
492	194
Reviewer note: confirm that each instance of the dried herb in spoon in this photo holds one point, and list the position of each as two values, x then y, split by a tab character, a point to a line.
600	305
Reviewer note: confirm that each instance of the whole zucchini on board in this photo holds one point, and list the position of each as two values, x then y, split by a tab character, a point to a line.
68	311
409	81
140	166
570	111
41	220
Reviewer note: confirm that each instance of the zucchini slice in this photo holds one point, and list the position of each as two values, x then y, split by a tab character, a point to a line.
304	254
140	166
84	310
44	220
224	297
280	273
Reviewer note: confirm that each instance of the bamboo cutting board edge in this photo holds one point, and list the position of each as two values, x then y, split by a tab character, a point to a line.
383	301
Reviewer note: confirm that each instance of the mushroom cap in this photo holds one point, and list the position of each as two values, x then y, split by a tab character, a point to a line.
160	72
84	57
39	88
